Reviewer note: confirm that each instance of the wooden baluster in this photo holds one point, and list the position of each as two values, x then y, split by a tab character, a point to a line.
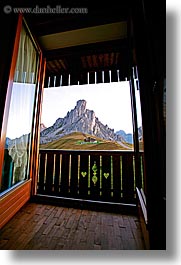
57	175
88	78
118	75
95	177
110	79
106	177
116	178
102	76
61	80
49	81
41	186
65	175
69	80
74	176
128	177
54	81
84	172
49	173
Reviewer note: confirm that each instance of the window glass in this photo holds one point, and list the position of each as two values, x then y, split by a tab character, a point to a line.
17	147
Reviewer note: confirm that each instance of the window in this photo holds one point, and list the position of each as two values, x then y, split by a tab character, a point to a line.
19	124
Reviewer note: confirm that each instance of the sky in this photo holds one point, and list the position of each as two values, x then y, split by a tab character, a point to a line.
110	102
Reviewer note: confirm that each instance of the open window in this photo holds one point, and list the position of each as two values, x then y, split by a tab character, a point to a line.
19	110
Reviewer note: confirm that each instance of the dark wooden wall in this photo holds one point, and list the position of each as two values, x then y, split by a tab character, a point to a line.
149	18
7	36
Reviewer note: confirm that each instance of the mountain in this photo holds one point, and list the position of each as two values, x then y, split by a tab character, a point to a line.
78	140
8	142
79	119
127	137
20	142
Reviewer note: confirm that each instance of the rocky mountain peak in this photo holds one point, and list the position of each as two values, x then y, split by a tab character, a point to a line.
79	109
81	105
79	119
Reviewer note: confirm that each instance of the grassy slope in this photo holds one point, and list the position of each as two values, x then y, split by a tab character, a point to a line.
71	142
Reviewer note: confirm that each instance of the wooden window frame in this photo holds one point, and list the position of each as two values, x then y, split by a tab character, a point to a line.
33	159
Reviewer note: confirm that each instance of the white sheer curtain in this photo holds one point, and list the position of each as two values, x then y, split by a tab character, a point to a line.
27	61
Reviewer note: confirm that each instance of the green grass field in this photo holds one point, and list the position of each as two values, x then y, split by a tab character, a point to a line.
75	141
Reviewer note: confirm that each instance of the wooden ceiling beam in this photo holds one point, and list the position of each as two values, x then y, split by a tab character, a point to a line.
88	49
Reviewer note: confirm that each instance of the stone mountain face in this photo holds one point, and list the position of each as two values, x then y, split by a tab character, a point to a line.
128	137
79	119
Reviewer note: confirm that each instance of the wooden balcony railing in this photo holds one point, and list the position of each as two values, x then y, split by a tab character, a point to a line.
108	176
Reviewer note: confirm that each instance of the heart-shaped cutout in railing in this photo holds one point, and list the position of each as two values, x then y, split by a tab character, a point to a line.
83	174
106	175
